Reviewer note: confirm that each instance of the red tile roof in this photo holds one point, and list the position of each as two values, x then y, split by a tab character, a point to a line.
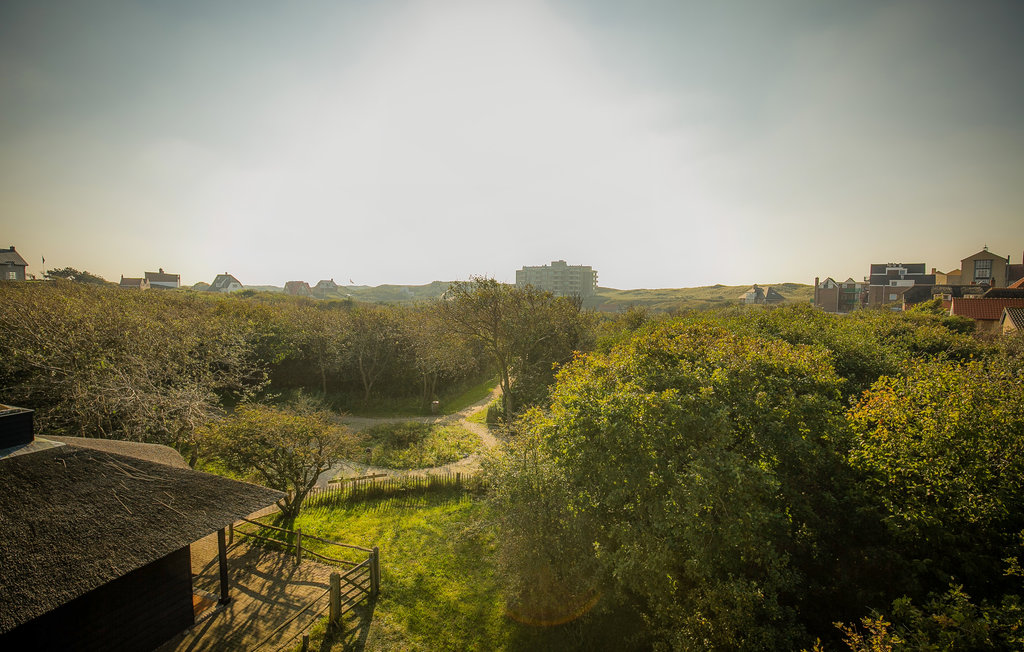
987	309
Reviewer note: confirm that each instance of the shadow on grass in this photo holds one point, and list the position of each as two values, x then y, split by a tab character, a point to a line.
351	635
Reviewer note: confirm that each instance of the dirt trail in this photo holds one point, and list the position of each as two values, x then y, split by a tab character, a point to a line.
466	464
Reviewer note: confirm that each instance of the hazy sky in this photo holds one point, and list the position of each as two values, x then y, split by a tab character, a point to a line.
666	144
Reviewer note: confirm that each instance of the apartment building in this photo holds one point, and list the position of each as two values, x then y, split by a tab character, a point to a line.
888	281
560	278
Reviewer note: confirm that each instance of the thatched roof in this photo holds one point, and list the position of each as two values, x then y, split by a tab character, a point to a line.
138	450
73	519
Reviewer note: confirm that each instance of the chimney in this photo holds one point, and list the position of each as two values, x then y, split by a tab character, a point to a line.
15	426
12	247
161	270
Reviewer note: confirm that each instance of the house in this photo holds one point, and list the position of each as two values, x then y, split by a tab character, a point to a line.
843	297
12	265
133	283
1012	321
946	278
888	281
984	268
325	289
753	296
772	297
224	283
986	313
96	539
163	280
298	289
945	293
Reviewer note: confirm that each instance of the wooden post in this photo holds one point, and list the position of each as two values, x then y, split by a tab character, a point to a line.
222	554
298	545
375	573
231	534
305	643
458	479
335	597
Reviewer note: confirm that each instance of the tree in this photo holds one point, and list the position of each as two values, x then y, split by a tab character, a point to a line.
707	468
72	274
375	340
285	448
525	331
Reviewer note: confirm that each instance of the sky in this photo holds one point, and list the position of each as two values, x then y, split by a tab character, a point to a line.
665	144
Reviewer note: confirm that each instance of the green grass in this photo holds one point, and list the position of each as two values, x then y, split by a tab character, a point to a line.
454	401
415	445
440	587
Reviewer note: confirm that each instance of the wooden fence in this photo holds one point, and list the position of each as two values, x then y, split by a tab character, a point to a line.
347	589
376	486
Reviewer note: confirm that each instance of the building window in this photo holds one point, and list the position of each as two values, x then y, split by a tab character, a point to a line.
983	269
12	276
892	297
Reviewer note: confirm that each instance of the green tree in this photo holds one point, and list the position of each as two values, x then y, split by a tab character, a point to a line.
705	464
525	332
285	448
72	274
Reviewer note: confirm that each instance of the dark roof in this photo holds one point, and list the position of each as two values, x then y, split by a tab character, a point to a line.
773	295
11	257
918	294
1019	283
1004	293
223	281
988	309
1014	273
161	277
1015	315
131	282
73	519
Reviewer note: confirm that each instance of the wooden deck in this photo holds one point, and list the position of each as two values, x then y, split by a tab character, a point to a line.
267	588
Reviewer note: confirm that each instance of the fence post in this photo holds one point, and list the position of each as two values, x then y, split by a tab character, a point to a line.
305	643
335	597
458	479
375	573
231	533
298	545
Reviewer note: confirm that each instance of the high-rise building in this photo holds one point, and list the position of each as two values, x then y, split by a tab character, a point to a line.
560	278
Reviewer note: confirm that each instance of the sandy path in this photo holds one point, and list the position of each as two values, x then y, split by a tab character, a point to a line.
466	464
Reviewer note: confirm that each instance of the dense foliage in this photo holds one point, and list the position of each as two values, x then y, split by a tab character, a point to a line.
154	366
748	478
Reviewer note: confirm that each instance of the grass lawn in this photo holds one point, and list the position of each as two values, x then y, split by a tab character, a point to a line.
415	445
439	584
450	403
